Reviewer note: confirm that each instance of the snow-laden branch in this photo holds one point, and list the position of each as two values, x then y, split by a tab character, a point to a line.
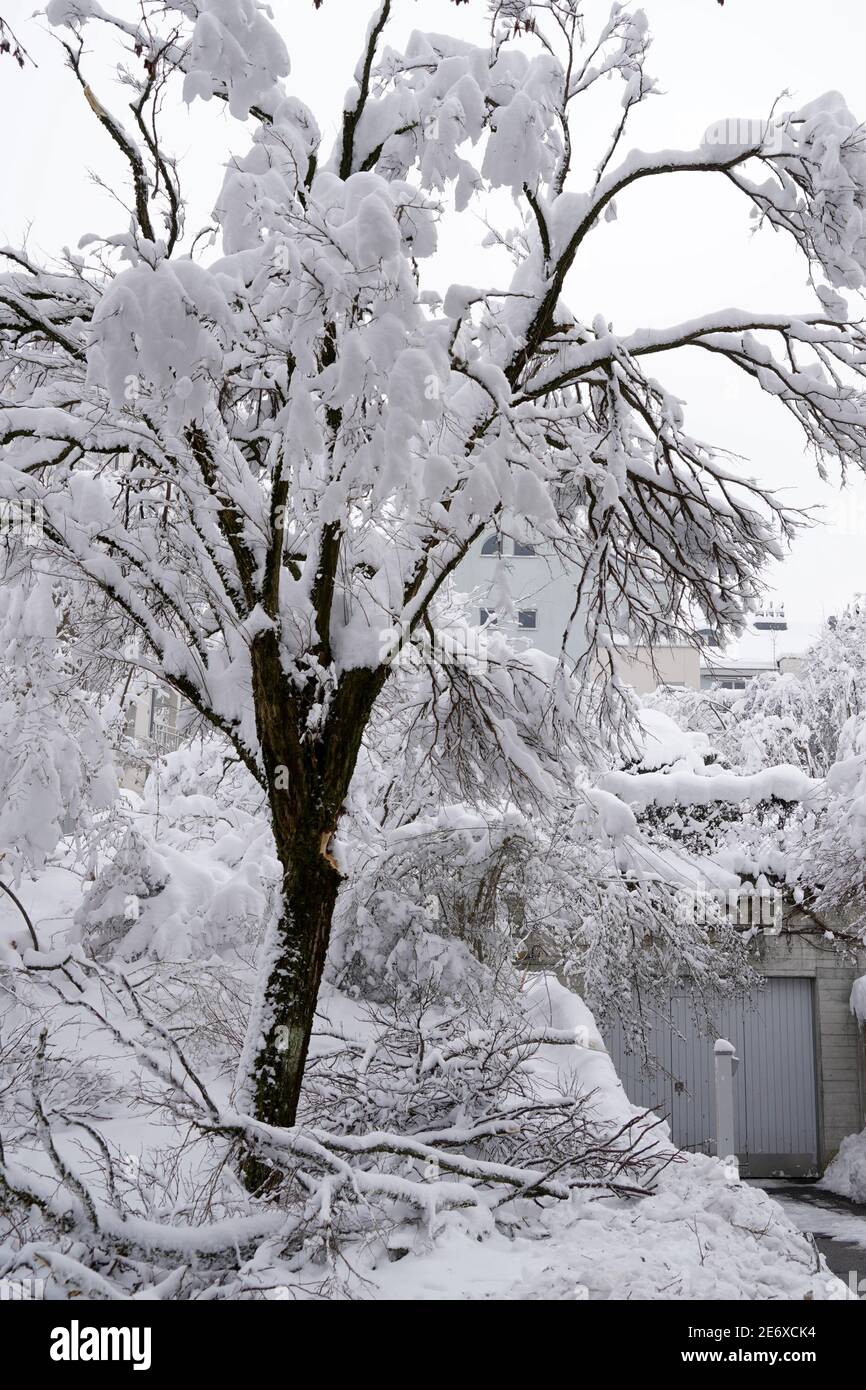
640	790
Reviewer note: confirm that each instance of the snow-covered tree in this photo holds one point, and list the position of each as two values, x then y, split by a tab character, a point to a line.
826	841
800	737
794	718
270	458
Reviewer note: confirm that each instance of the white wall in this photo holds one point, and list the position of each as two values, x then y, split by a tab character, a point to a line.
542	582
646	668
537	581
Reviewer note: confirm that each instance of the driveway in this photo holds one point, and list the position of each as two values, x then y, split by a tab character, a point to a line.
838	1226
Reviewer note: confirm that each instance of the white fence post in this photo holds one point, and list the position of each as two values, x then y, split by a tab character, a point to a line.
726	1064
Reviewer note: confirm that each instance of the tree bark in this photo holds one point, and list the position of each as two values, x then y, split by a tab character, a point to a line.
291	989
308	781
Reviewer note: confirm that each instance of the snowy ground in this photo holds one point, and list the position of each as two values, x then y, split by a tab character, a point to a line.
817	1211
838	1227
699	1237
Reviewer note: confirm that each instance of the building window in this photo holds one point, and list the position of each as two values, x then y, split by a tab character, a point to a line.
487	615
492	546
523	548
527	617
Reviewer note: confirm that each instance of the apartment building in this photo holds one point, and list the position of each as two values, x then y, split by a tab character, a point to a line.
541	590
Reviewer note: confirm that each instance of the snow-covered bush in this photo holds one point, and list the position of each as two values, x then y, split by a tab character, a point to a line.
449	855
112	905
194	873
56	769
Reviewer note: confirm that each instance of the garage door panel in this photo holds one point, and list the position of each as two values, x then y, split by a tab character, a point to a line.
647	1086
778	1060
774	1088
692	1115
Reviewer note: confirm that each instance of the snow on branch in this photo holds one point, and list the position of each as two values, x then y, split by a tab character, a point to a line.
640	790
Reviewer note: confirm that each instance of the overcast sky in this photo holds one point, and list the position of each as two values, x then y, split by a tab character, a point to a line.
674	253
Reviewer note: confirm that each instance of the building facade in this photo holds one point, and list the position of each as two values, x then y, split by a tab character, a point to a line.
541	591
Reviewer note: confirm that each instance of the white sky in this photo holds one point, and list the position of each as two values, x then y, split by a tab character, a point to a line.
680	247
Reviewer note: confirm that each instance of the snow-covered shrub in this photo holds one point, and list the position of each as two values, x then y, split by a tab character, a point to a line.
194	874
827	843
784	717
56	769
112	906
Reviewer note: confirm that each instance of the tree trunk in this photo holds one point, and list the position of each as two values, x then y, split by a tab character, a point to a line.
293	970
308	780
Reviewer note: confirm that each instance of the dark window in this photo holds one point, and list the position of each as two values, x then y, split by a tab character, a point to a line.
527	617
487	615
523	548
492	546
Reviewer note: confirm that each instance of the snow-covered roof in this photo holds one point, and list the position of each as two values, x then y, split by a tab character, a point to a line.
736	666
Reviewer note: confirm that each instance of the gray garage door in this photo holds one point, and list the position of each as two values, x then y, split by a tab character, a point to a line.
776	1105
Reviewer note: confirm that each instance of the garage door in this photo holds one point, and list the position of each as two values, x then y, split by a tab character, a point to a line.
775	1093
